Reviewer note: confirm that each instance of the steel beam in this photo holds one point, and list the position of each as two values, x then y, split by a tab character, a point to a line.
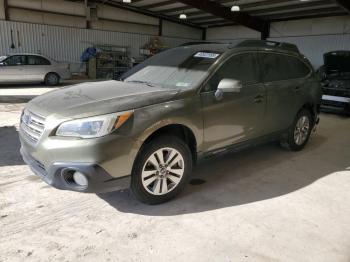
224	12
345	4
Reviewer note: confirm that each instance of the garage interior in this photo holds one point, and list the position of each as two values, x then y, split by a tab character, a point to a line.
260	204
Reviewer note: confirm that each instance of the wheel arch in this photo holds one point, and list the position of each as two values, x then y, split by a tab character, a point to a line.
181	131
52	72
311	108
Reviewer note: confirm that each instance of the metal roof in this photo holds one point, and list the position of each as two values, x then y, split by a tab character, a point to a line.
199	13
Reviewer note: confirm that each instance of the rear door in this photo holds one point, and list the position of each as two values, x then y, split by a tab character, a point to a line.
13	69
37	67
237	116
284	79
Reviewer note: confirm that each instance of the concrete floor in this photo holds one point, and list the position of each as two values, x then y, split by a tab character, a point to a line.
262	204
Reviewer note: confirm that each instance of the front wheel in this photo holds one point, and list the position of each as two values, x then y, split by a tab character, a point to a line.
161	170
300	132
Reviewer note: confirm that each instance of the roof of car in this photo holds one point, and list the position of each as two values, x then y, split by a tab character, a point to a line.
12	54
247	44
208	47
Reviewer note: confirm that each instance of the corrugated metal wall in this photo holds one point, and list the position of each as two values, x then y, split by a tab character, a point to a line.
313	47
67	44
314	37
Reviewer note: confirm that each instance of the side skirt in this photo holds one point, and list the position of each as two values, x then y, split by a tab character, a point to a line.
280	135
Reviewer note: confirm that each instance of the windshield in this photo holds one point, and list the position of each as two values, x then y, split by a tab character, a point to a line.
174	68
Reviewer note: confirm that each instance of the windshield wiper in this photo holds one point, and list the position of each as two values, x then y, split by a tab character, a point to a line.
140	82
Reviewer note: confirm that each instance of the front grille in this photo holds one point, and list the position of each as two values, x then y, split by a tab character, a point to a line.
32	126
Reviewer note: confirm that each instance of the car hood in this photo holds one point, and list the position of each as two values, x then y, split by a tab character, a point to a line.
337	63
96	98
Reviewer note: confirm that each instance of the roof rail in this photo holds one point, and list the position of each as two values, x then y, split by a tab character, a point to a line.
269	44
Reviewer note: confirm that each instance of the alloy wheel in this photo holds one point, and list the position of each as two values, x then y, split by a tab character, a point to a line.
163	171
301	131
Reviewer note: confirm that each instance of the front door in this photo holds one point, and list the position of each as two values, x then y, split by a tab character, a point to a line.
235	117
13	69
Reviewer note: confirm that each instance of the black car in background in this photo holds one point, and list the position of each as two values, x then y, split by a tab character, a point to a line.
335	74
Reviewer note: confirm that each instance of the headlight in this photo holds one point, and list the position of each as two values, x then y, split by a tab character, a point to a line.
92	127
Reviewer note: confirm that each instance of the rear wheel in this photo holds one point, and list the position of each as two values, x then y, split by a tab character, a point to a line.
52	79
161	170
300	132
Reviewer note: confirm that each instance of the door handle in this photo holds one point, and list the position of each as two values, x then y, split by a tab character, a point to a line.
258	99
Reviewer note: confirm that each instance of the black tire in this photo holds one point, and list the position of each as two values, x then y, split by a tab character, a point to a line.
291	142
52	79
137	187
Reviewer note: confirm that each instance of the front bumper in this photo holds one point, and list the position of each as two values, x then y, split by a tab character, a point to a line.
337	104
59	175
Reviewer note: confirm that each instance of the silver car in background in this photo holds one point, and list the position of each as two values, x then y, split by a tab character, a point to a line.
32	68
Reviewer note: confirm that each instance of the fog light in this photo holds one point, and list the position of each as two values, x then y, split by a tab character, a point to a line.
80	179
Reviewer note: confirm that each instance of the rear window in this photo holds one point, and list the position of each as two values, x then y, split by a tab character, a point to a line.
37	60
278	67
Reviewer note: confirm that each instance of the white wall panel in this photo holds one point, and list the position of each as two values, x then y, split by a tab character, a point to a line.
108	12
124	27
67	44
316	26
227	33
313	47
170	42
62	43
176	30
314	37
57	6
38	17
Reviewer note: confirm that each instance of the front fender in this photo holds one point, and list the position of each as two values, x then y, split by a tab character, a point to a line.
186	112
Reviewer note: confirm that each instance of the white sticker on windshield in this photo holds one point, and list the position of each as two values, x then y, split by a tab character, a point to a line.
206	55
182	84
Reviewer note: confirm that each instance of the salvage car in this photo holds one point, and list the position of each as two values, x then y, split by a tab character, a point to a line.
147	131
32	68
335	76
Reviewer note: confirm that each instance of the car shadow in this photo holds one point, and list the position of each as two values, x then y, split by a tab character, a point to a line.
233	179
10	146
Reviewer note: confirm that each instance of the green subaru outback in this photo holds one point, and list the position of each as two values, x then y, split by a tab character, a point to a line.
147	131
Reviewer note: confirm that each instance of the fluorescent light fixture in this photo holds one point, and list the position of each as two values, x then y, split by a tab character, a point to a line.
127	1
235	8
183	16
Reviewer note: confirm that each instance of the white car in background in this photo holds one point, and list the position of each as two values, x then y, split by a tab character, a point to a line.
32	68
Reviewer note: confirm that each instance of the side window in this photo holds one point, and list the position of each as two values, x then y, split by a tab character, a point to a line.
278	67
37	60
273	67
15	60
297	69
241	67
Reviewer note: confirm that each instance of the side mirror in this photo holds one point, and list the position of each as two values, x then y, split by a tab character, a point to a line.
228	86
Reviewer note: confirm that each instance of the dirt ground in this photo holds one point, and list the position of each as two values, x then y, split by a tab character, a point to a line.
262	204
